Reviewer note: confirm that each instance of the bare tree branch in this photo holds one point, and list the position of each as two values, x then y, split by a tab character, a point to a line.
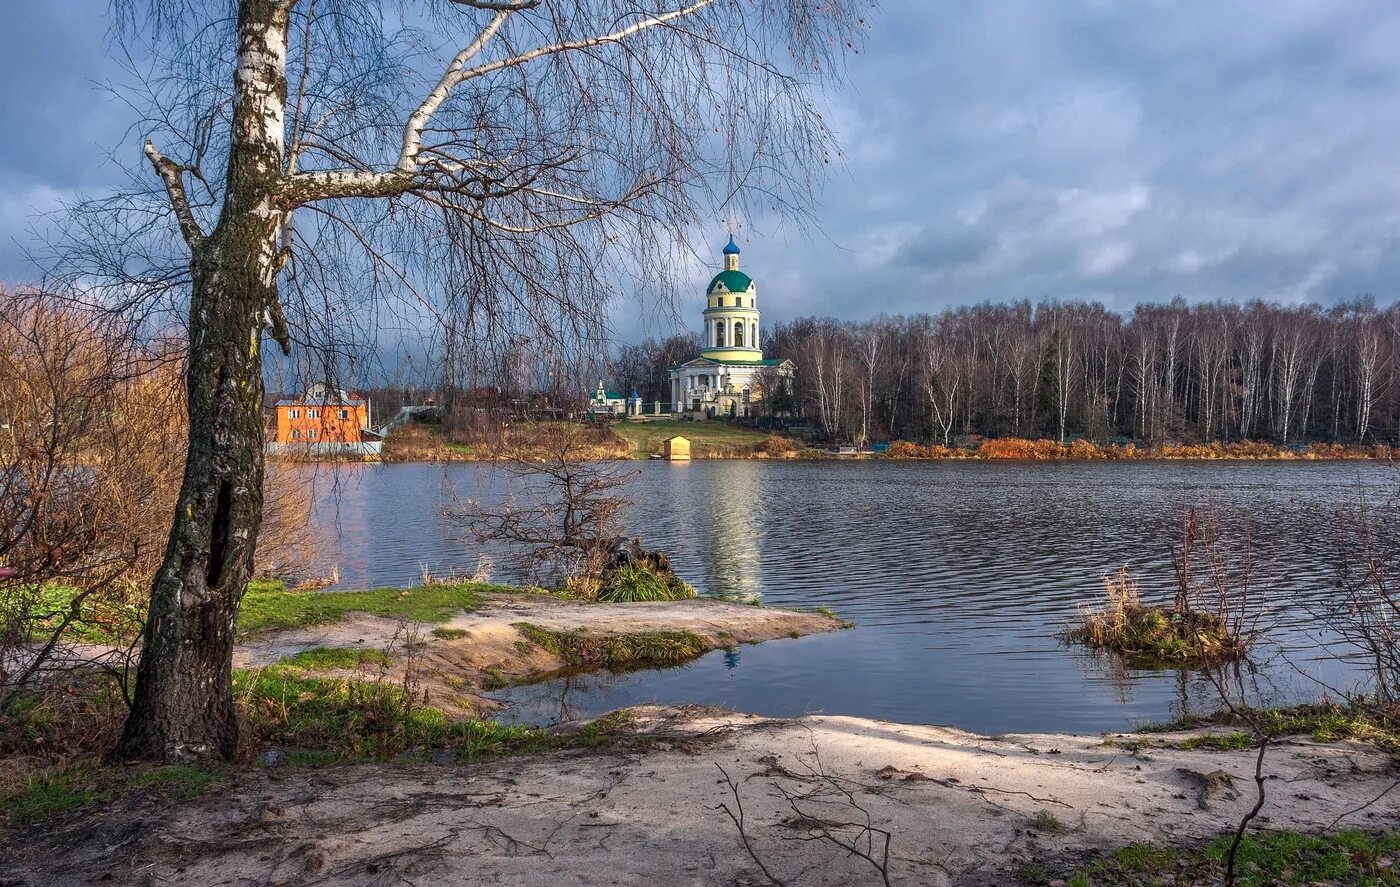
170	172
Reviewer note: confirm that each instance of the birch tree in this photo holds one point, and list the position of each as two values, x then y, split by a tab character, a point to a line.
315	169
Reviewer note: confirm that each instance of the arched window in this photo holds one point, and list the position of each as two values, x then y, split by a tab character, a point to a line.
753	335
719	334
738	334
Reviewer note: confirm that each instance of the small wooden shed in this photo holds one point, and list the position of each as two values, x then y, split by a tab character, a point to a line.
676	449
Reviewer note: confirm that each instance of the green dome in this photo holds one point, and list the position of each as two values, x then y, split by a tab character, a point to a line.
734	281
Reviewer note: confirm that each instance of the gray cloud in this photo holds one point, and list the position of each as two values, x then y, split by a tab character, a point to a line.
1125	151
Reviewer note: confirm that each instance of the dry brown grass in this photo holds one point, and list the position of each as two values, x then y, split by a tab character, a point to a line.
417	442
1044	449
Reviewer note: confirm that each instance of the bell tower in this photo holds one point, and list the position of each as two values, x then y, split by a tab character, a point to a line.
732	331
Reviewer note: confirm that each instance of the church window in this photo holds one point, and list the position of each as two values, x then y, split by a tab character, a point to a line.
719	334
738	334
753	335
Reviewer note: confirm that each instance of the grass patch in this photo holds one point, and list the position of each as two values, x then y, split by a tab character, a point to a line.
332	658
619	652
1220	741
1045	821
60	789
340	721
1324	722
1278	859
269	605
450	634
493	678
1155	635
712	440
823	611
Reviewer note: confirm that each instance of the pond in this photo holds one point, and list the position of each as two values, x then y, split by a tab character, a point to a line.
958	576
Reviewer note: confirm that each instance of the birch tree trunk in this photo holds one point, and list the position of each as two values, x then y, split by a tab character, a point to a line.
183	708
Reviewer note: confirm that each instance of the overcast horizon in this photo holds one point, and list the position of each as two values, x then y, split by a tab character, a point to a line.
1119	152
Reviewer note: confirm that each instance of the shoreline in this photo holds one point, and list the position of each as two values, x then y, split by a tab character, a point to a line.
516	638
958	808
867	457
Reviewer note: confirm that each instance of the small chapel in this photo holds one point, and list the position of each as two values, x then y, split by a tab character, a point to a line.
728	378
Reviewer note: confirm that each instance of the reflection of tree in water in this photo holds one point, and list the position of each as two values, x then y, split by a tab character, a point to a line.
1193	691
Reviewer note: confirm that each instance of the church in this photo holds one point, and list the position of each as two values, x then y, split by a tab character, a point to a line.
728	378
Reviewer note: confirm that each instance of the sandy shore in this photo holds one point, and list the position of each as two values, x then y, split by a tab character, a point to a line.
486	648
959	809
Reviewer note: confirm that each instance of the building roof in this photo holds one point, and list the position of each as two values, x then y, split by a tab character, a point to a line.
734	281
768	362
320	402
609	395
731	248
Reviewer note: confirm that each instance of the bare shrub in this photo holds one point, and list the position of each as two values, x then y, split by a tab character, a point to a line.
1368	566
564	516
83	428
88	421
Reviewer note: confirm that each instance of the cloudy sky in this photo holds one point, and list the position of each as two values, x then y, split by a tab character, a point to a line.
1120	151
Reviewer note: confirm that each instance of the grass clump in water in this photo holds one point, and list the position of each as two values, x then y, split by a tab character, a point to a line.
269	605
1275	859
618	652
636	583
1156	634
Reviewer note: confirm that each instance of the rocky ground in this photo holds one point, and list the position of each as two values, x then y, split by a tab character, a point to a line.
719	798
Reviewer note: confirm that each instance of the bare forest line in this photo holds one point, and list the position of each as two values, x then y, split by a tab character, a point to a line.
1164	373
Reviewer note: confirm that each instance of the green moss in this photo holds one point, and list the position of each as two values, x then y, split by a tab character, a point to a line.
656	648
331	658
60	789
1275	859
450	634
269	605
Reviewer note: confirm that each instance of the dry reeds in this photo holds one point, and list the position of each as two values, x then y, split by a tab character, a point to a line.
1207	622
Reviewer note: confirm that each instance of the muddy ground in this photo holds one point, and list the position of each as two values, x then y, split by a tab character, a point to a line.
454	673
958	809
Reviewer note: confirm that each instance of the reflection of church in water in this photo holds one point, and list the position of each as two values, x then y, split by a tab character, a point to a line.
730	377
732	558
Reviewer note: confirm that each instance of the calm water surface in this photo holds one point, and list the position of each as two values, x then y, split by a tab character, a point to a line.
957	575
